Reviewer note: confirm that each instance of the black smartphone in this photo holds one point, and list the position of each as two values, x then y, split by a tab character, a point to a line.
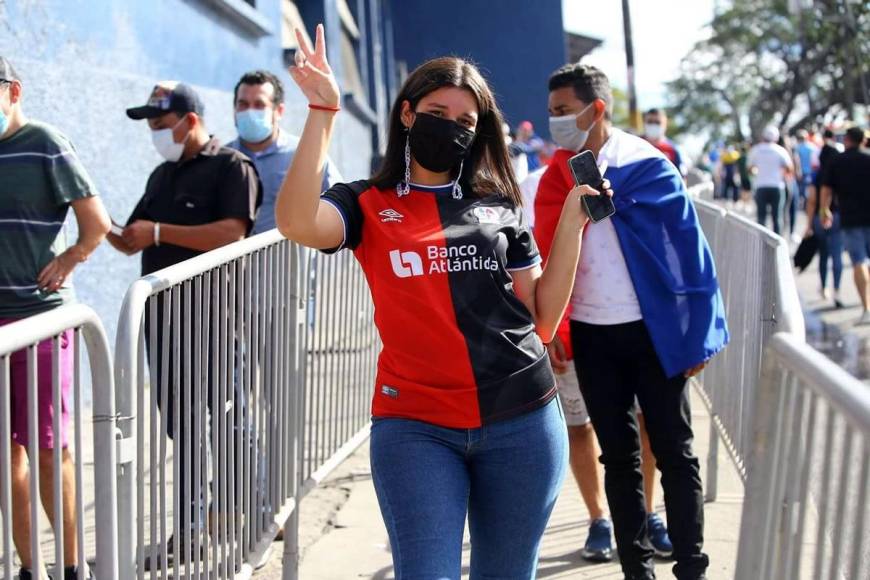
585	171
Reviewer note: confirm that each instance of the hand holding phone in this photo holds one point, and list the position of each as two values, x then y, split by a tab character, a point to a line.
586	172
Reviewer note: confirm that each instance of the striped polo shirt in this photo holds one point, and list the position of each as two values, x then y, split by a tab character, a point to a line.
40	175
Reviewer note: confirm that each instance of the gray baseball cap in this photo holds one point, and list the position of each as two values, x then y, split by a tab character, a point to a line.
7	73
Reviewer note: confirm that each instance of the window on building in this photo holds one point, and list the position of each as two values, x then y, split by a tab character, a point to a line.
291	19
350	42
242	13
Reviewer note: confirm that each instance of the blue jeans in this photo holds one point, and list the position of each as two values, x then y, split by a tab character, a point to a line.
505	477
830	245
770	199
857	244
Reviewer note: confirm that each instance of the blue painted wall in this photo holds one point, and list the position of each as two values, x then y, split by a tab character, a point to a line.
84	62
516	43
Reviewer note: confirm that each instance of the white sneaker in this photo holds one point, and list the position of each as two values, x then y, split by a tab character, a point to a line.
865	318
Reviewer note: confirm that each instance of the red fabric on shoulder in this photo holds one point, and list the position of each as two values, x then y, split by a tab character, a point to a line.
555	184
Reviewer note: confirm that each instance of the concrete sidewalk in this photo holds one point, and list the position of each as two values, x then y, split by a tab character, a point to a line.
354	542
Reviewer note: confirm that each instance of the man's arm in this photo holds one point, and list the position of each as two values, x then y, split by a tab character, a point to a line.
119	244
140	234
825	207
787	165
93	224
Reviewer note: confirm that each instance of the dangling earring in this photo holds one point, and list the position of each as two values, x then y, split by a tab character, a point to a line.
457	189
404	187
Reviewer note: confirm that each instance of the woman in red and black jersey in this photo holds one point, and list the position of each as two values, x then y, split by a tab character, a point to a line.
465	419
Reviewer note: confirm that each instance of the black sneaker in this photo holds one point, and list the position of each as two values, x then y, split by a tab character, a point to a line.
25	574
156	563
72	573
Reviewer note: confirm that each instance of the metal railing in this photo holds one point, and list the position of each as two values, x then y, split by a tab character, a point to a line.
53	339
260	357
761	298
808	466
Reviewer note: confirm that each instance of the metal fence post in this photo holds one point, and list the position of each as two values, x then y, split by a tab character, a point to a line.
759	466
105	489
126	366
298	271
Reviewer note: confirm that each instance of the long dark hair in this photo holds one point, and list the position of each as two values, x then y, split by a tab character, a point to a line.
488	169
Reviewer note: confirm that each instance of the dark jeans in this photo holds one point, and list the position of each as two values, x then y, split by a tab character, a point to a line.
793	204
186	425
770	199
830	246
730	189
615	364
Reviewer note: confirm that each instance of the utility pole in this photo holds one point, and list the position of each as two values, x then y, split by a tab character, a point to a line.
634	117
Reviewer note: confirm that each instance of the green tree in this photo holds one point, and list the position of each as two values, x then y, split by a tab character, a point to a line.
764	65
620	108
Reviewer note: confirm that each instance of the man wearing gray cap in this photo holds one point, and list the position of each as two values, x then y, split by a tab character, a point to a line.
202	197
42	178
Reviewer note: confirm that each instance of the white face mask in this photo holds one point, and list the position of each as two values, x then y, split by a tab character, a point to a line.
654	132
565	132
165	144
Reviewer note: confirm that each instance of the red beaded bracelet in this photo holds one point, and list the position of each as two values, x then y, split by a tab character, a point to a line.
324	108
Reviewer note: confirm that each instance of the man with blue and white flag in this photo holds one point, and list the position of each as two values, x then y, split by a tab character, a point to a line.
645	315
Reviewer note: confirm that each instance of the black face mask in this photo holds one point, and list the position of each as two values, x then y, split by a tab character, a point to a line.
439	144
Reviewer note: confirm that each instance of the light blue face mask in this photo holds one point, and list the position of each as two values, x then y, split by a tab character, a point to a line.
254	125
4	118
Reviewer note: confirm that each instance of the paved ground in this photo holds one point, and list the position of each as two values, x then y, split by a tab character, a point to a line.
831	330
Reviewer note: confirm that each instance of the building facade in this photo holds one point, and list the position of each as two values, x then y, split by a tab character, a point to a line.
83	62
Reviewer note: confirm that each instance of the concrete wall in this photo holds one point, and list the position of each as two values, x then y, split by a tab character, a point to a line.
85	61
516	43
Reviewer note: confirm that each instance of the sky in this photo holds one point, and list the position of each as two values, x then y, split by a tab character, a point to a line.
663	32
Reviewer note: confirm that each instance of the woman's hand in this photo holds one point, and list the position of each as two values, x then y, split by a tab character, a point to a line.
558	358
312	72
574	206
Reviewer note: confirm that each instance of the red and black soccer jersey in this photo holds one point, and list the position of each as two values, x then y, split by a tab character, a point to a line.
460	349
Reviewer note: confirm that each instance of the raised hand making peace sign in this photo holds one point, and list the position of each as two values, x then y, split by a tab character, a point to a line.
313	74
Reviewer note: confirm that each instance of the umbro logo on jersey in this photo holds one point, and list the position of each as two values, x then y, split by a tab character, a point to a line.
406	264
390	215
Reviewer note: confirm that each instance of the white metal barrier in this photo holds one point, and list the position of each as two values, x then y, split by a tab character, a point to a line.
805	512
258	387
39	338
758	287
260	358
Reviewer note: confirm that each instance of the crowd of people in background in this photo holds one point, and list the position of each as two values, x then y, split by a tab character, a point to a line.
784	175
